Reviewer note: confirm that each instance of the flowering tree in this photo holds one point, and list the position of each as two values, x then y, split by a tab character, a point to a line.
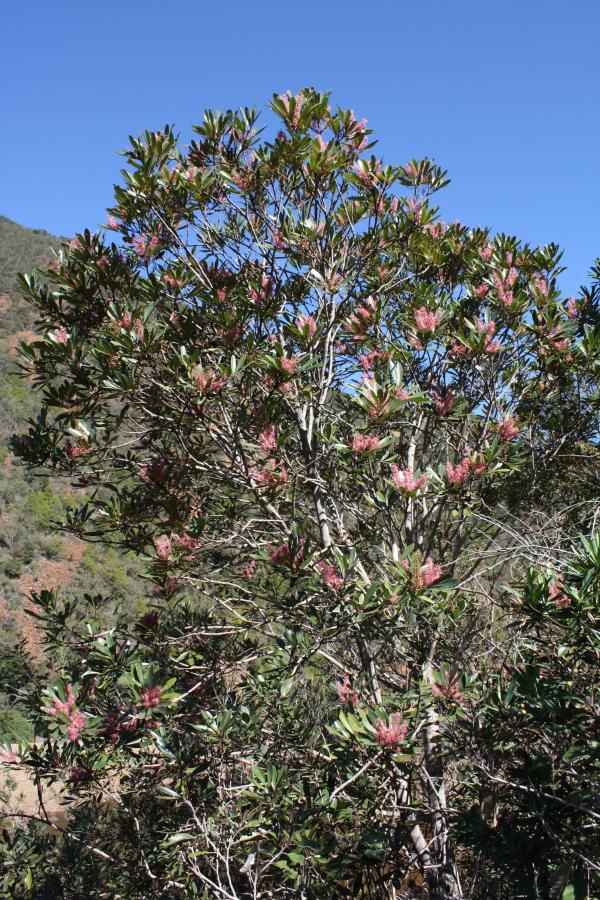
313	407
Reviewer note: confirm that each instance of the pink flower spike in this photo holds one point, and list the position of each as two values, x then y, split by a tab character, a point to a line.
282	555
427	575
508	429
572	308
68	708
448	691
391	737
6	756
458	350
289	365
445	404
151	697
347	694
76	725
163	547
307	325
364	443
426	320
430	572
406	482
61	335
267	439
330	576
459	473
556	593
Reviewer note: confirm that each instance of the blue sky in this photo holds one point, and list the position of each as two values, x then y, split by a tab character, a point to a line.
502	94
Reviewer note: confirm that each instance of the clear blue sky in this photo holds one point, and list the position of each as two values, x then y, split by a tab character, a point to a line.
503	93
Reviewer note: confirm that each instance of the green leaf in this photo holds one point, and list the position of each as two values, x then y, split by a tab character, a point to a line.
178	838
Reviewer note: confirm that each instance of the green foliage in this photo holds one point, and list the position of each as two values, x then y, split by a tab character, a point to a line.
14	727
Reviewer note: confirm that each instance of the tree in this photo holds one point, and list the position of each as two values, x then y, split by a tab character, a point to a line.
312	406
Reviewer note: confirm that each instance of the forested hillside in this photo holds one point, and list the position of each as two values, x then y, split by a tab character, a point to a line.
34	554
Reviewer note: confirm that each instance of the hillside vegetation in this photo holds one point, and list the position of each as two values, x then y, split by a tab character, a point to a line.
34	554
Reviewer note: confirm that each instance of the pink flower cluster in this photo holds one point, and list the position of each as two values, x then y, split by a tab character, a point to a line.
171	281
269	476
555	340
307	325
169	588
264	290
557	594
330	576
443	404
368	360
61	335
77	451
151	697
488	330
427	320
68	708
207	382
414	206
283	555
249	569
154	472
572	308
459	350
297	108
405	480
144	246
448	690
428	574
7	756
504	288
267	439
185	541
364	443
365	177
359	321
289	364
230	335
437	230
164	547
459	473
391	736
508	429
190	173
346	693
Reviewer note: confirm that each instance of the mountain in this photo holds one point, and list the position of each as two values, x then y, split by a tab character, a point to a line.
34	553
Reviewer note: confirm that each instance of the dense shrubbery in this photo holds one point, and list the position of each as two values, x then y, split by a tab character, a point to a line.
32	505
340	433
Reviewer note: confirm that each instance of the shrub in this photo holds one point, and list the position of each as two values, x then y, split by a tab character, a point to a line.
311	406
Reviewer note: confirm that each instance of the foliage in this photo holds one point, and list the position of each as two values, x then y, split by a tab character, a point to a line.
32	506
311	407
